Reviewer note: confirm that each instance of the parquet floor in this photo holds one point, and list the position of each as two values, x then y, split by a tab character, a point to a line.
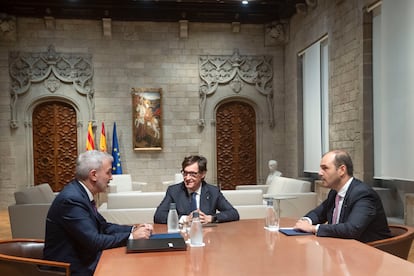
5	232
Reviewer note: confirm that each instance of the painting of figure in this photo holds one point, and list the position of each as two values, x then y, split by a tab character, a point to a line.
146	103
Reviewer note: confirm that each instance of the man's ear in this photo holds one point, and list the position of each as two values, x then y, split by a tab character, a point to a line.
343	170
92	175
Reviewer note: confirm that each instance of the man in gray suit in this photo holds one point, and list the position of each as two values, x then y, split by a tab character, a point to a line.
195	194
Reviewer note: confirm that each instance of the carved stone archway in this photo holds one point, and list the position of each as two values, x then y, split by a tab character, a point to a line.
40	77
51	68
236	70
227	78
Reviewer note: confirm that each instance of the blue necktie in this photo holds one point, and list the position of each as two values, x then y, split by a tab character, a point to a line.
193	201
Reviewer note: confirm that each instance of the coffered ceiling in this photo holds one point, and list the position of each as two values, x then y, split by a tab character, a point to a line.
255	12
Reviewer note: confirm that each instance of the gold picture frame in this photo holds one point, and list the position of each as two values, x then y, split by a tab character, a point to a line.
146	118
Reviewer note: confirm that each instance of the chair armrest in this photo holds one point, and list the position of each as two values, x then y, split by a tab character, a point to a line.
138	185
253	187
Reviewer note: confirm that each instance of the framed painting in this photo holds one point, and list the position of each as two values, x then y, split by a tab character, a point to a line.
146	118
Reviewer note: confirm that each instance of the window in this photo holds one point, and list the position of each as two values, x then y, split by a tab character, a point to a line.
393	90
315	104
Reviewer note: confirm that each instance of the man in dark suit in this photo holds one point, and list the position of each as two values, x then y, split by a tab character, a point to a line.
195	194
75	232
352	209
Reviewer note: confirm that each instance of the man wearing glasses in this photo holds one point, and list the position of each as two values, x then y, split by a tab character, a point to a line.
195	194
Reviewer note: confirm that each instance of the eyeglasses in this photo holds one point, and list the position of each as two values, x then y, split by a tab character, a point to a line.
191	174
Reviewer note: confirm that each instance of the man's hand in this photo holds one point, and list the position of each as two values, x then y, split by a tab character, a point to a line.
142	231
305	226
205	218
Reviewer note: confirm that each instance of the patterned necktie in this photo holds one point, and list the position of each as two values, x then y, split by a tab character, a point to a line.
193	201
336	211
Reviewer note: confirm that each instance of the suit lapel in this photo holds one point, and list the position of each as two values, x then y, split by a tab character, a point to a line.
344	209
205	199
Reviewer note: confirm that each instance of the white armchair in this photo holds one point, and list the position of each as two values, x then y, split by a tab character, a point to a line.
249	203
124	183
28	214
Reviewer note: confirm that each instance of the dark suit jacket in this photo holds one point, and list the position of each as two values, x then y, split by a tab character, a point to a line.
77	234
211	200
362	215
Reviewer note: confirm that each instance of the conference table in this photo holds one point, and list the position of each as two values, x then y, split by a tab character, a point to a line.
245	248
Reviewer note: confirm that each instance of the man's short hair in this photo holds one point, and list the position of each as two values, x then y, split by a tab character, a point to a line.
201	160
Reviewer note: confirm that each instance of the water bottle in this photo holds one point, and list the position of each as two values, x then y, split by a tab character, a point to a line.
272	219
196	231
172	219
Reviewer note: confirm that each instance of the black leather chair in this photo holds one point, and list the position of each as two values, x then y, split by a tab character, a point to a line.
24	257
400	242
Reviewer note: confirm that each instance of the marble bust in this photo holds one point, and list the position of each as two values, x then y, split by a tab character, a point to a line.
273	172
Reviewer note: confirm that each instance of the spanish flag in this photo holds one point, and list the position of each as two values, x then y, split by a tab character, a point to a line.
90	141
102	141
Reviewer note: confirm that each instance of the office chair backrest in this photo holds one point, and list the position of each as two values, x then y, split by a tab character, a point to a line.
400	242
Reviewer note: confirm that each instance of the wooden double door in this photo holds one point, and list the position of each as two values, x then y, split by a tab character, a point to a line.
236	144
55	145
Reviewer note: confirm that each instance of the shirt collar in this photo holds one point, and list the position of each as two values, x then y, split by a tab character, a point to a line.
344	189
198	191
90	195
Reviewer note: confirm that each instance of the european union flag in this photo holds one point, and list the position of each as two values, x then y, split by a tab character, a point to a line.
116	165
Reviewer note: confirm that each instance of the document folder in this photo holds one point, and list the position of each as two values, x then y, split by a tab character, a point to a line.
293	232
157	243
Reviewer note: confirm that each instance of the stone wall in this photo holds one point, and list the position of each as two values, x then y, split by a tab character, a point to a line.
341	21
147	54
136	54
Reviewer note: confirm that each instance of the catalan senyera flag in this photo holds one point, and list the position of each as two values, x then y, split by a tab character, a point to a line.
90	141
116	165
102	140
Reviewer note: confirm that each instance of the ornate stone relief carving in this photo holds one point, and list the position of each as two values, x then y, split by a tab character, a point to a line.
235	70
276	33
7	27
52	68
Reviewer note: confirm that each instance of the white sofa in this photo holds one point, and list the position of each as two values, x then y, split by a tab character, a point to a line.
130	208
304	199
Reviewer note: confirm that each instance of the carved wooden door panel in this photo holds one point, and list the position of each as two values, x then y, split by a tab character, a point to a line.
236	145
54	144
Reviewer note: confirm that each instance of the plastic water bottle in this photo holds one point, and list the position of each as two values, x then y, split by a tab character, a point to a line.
196	231
172	219
272	219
